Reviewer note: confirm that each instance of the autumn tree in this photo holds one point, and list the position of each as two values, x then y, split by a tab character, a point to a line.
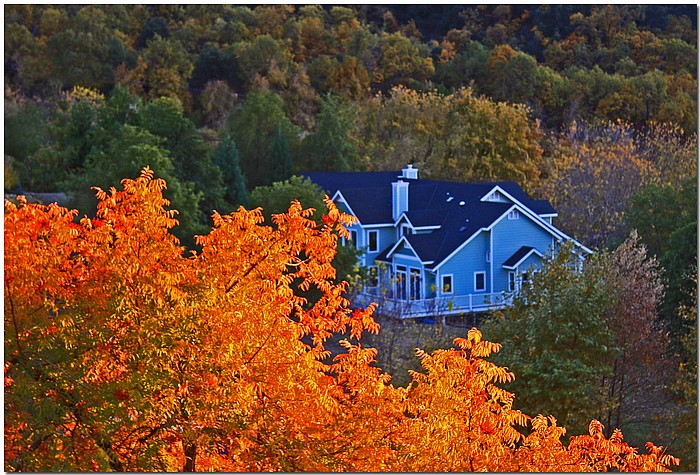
402	61
123	353
162	69
594	173
104	322
456	137
641	368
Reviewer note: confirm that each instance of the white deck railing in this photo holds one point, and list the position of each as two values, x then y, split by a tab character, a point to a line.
431	307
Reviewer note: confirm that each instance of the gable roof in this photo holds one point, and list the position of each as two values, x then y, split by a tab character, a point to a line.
456	211
520	256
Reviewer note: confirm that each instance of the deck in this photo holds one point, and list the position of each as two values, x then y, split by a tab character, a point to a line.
432	307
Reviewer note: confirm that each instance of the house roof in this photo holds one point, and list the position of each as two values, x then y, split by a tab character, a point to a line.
459	225
427	198
458	211
520	255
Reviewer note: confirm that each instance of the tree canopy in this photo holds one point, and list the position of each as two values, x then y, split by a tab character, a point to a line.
122	353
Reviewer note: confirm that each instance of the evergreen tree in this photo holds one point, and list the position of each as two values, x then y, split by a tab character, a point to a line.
227	159
279	159
254	128
332	148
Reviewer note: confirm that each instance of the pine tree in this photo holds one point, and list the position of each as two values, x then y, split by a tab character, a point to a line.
227	159
331	148
279	159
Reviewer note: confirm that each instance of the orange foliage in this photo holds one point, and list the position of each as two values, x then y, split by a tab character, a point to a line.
121	353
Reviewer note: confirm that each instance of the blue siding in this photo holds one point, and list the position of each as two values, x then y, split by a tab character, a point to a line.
533	261
405	251
509	235
469	259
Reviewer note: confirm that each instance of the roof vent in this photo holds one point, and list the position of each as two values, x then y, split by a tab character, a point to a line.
462	203
462	228
409	172
450	198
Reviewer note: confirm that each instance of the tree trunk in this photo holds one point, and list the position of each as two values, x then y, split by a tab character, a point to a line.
190	457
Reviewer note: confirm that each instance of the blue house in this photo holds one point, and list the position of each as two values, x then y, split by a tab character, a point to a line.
440	247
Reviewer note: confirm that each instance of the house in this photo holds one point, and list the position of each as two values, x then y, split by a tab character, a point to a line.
440	247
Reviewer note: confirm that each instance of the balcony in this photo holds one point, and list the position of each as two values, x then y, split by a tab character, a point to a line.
432	307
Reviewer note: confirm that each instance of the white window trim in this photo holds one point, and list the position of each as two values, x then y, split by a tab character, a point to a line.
411	273
475	281
369	240
512	275
452	284
513	214
495	196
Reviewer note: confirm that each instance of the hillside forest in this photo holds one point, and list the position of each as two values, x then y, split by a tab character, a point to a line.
592	107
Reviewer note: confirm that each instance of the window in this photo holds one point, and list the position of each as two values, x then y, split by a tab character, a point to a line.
401	282
353	237
406	230
373	239
511	281
495	196
447	284
415	287
479	281
514	214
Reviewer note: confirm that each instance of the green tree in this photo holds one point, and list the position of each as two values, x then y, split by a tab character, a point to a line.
275	198
665	216
128	150
80	53
26	131
227	159
558	340
332	146
192	157
150	28
253	128
685	418
594	321
511	75
279	159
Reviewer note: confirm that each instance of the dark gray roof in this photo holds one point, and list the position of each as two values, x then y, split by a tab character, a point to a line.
455	207
519	255
458	226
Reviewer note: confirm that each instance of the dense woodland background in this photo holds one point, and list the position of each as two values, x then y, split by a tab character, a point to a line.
593	107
